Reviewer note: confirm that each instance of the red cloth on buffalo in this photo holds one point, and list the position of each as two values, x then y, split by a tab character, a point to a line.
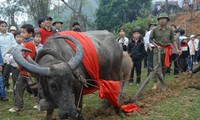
107	88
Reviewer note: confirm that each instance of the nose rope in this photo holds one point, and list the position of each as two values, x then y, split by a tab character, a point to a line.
79	99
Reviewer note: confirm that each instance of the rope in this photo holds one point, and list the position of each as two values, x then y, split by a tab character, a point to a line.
79	99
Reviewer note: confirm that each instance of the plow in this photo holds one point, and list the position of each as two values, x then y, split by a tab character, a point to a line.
157	71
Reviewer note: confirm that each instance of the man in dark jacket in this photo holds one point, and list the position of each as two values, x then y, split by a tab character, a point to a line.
136	50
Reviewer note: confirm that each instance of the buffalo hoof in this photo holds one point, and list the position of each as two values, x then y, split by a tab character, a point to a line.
163	87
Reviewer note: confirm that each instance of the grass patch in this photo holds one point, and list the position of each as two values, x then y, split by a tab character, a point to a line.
184	106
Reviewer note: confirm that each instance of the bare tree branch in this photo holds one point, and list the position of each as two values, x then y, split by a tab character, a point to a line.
69	6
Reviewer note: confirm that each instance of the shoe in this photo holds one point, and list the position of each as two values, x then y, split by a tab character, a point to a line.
176	76
36	106
138	85
154	87
130	83
15	109
9	89
4	99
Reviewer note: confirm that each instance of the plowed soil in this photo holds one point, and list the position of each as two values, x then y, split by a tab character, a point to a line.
149	99
188	21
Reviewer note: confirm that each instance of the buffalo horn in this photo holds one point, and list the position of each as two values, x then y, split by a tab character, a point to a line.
21	61
77	59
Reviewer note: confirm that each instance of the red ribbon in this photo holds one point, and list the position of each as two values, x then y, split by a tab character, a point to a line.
168	53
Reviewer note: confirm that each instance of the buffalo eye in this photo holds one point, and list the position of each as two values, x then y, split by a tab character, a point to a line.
53	86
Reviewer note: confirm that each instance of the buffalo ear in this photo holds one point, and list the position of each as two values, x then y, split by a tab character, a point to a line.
48	51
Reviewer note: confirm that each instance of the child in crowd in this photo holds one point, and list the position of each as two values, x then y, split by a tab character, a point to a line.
136	50
191	45
9	58
122	39
27	31
2	90
183	59
37	41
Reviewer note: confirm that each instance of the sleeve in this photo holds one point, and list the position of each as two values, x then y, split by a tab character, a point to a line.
126	41
129	47
143	50
13	41
146	38
172	39
1	58
152	36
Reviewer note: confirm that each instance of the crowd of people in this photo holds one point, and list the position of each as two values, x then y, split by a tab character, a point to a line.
170	41
175	47
29	37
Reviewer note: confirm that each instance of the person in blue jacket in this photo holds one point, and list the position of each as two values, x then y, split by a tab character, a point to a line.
2	90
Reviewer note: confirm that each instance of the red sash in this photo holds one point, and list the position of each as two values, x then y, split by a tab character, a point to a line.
168	53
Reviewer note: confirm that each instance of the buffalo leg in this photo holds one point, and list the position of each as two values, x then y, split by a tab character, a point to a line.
123	84
49	114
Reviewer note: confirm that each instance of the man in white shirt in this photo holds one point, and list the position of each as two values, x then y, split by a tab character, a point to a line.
150	48
192	47
6	41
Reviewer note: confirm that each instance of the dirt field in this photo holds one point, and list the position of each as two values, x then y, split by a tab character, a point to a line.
187	21
149	99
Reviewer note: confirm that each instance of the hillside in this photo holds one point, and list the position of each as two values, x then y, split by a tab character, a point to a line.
190	23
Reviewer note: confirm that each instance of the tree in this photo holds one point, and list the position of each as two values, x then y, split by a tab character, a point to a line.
9	10
77	14
166	6
36	8
111	14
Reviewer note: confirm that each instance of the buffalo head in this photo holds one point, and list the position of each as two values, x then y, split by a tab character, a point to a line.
56	76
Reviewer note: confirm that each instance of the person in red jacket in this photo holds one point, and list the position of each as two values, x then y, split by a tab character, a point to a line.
27	32
47	30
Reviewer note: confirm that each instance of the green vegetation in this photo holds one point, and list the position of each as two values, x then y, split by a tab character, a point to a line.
113	14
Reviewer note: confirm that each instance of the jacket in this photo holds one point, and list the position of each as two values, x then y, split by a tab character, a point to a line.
136	50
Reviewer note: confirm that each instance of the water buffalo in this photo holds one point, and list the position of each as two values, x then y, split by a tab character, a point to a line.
127	65
56	64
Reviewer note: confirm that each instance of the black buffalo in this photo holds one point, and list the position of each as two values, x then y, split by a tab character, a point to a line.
57	64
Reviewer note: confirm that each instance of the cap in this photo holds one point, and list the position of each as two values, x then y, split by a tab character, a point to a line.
163	15
75	23
137	29
152	23
57	21
192	36
13	28
48	18
40	20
